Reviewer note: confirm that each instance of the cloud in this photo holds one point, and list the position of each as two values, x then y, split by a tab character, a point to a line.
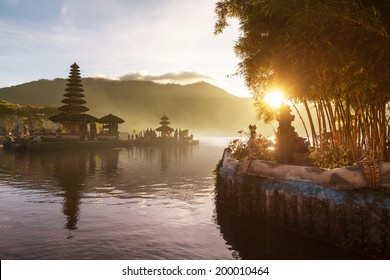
179	77
41	38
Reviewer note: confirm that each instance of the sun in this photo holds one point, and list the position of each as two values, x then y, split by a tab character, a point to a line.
274	98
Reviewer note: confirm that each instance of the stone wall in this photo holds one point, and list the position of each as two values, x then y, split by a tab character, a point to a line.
355	220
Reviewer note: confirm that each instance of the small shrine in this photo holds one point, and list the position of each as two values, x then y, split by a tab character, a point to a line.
164	129
110	126
288	143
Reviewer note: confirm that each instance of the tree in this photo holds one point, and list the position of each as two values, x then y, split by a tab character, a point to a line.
31	116
9	113
330	55
35	117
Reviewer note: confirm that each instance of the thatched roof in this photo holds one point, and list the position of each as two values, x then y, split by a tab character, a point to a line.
62	117
111	119
165	128
79	89
164	120
74	95
75	101
77	108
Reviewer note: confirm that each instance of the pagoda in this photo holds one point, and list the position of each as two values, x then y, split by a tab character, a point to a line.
73	118
164	129
73	101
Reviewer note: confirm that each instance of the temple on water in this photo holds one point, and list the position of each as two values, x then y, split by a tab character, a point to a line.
164	134
164	129
73	121
75	126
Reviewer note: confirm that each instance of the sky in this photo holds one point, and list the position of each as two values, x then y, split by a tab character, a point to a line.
159	40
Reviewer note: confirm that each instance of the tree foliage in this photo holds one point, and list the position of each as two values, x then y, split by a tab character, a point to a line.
9	113
332	55
32	117
252	149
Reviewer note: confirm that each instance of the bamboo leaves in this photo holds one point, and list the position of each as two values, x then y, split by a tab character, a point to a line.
333	56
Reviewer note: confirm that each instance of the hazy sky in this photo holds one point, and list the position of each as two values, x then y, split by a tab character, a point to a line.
160	40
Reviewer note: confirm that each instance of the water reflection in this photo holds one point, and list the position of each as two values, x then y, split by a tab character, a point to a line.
165	155
71	171
90	174
140	203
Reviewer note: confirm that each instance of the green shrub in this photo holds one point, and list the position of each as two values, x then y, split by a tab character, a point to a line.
259	148
331	157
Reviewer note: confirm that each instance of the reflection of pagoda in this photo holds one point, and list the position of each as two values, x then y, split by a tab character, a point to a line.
71	172
73	118
164	129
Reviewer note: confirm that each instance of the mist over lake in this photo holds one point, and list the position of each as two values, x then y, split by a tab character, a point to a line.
201	107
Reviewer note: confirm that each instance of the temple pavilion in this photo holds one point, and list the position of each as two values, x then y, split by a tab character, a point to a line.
164	129
110	124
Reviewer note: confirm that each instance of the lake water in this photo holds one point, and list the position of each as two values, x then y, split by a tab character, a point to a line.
137	203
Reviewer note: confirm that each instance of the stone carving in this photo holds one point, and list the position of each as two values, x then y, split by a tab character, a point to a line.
367	174
252	129
288	142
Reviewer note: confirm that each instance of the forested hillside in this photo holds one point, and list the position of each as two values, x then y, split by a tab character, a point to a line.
201	107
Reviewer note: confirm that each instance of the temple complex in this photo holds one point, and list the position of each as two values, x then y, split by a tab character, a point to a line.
74	123
164	134
76	128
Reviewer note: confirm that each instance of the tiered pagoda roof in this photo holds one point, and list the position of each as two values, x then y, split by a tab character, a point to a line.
74	94
64	117
73	109
164	128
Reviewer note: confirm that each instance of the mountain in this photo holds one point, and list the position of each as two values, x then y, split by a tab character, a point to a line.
201	107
